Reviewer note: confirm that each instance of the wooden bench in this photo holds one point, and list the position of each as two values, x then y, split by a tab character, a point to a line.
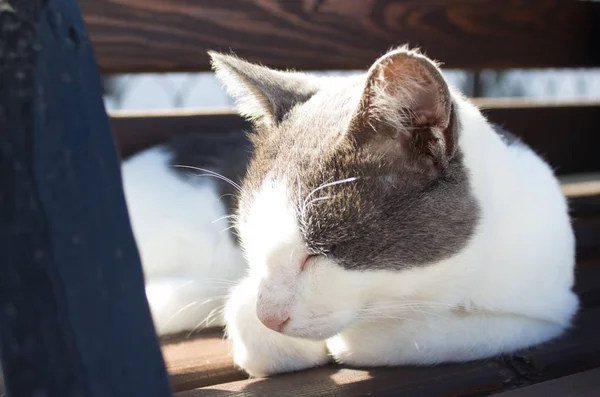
136	36
132	36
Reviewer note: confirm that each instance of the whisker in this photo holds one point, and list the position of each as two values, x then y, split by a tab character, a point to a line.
223	280
214	313
292	255
217	283
185	284
190	305
227	194
224	217
393	309
228	228
326	185
428	313
206	320
213	174
402	304
317	199
178	312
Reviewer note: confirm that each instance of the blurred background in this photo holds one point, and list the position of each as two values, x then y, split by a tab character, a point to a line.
202	90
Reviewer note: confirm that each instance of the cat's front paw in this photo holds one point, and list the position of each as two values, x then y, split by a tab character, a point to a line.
259	350
371	345
345	351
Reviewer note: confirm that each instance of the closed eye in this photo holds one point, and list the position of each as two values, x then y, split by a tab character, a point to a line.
306	261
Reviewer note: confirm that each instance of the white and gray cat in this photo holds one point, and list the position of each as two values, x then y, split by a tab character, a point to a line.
382	220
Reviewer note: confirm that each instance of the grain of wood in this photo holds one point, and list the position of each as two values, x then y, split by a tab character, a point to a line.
199	361
584	384
155	35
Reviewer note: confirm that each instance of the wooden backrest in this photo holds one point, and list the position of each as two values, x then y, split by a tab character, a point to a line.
174	35
167	36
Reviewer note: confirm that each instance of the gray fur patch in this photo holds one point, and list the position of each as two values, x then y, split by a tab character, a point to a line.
412	219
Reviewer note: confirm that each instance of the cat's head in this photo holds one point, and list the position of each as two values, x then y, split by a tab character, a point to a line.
353	180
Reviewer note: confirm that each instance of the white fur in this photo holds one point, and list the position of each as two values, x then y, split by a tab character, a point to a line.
509	288
189	261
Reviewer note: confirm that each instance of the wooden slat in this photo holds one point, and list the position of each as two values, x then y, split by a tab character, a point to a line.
566	134
581	185
578	351
584	384
199	360
137	131
174	35
583	193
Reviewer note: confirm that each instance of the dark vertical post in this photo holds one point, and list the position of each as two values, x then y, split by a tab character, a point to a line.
473	86
477	84
74	320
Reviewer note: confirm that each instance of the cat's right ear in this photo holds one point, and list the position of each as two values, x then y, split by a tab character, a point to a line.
406	109
262	95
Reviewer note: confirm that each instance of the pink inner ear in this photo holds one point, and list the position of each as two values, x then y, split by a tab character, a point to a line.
428	106
409	77
425	118
405	99
407	86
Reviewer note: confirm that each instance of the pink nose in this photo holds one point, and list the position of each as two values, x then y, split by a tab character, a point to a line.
275	324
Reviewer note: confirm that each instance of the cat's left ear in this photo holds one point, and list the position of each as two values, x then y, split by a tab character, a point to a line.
262	94
406	109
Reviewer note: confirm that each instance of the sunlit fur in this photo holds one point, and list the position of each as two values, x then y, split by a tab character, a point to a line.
189	258
510	287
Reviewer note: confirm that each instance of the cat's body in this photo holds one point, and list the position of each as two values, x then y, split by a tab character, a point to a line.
384	222
180	216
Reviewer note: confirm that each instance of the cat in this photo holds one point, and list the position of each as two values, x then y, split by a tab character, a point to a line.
382	220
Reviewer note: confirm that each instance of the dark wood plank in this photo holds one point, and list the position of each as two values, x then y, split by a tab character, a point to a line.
199	360
134	132
566	134
583	193
578	351
74	320
150	36
587	286
584	384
